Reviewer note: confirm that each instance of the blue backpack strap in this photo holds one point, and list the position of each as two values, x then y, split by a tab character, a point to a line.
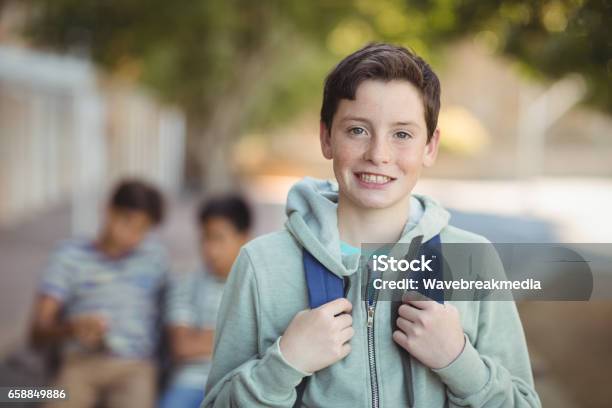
429	249
323	285
432	249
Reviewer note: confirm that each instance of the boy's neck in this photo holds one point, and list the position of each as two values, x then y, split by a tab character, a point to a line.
108	248
358	225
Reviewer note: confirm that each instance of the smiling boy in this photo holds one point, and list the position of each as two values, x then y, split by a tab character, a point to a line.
379	127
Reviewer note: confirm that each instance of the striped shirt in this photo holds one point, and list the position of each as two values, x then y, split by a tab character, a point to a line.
126	291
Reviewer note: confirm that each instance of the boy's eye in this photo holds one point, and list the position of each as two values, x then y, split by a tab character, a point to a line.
357	131
403	135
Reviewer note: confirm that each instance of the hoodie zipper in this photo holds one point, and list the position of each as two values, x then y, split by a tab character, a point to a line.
370	304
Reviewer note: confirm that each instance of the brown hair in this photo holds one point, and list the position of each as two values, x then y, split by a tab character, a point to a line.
233	207
138	195
385	62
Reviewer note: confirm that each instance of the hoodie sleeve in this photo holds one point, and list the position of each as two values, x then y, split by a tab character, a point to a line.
241	376
495	370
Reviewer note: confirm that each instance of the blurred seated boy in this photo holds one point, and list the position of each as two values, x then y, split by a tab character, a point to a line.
99	301
194	299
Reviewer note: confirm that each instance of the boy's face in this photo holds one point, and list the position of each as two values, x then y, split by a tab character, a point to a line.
378	144
126	228
220	244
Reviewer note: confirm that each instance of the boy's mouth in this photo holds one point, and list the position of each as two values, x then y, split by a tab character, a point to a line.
373	178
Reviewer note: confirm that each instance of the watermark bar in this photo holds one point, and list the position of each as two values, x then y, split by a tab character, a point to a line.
32	394
487	272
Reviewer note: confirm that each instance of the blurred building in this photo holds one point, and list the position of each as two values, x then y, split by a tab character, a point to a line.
66	136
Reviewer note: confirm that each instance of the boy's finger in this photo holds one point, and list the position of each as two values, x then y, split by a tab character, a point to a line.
102	321
104	326
408	312
414	295
404	324
344	320
346	349
400	338
335	307
347	334
418	300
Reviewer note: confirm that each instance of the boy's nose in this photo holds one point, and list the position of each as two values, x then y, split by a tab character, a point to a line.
378	151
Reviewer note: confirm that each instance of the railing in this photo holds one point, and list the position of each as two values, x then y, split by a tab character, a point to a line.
65	139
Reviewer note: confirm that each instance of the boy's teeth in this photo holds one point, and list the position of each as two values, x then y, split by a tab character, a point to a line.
374	178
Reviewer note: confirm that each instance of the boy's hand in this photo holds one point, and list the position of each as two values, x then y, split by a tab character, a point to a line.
319	337
431	332
89	330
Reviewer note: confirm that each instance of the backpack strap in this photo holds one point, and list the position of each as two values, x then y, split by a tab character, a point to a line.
323	285
432	249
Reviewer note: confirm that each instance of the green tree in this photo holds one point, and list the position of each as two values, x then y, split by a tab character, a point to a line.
550	38
209	57
235	63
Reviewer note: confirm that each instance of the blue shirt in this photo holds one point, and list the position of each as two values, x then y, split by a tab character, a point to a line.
193	300
126	291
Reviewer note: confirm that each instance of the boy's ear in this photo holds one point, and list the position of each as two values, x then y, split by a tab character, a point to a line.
431	149
325	137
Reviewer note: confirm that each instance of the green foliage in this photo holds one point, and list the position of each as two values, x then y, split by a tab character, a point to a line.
550	38
190	52
295	85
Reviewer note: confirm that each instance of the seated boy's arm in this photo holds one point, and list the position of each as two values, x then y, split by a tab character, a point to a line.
242	374
46	328
186	339
49	329
54	293
187	343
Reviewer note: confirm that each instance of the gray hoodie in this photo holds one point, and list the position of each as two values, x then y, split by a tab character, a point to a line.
266	288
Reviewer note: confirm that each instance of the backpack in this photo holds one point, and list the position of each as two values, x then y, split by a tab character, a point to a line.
324	286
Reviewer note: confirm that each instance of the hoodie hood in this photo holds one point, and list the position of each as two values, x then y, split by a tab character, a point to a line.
313	222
